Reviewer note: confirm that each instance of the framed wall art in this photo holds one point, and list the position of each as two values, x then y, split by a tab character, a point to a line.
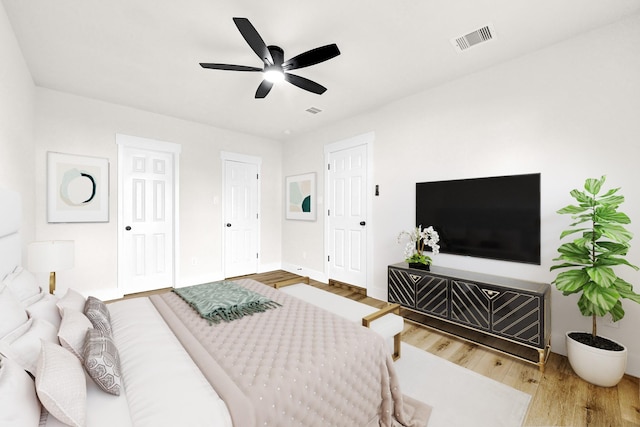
301	197
77	188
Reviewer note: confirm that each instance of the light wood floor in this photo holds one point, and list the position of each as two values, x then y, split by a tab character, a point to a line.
559	397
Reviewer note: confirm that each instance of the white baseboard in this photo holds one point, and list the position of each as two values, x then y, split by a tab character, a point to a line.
303	271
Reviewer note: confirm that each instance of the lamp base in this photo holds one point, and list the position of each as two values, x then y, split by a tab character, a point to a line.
52	282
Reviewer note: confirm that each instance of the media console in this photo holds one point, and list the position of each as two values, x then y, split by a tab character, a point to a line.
508	315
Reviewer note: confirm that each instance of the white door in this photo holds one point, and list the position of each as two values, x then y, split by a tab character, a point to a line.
347	215
240	218
147	215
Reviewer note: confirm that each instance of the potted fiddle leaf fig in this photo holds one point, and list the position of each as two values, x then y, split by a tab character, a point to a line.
588	264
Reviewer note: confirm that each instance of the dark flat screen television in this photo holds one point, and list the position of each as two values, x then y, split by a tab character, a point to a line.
494	217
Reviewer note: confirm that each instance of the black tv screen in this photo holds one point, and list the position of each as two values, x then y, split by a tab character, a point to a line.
496	217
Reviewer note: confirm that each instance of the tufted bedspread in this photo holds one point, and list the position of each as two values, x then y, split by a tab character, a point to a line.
296	365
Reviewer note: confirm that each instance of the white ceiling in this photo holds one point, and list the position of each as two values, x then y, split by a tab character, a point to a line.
145	53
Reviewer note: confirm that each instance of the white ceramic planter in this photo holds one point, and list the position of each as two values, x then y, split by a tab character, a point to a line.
600	367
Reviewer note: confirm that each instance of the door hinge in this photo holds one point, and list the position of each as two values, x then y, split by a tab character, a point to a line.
257	176
328	212
328	258
257	255
328	166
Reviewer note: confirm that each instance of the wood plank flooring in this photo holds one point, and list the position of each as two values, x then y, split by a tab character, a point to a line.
559	397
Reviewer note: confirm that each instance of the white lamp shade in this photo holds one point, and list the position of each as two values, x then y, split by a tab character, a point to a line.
50	256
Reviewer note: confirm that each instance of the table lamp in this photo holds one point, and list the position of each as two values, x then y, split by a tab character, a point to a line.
51	256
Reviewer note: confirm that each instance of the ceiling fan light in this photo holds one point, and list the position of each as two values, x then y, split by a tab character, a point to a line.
274	74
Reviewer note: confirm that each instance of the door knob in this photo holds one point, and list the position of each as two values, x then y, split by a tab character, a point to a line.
228	224
363	223
128	228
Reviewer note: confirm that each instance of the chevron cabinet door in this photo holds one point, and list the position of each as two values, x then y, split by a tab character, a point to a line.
509	315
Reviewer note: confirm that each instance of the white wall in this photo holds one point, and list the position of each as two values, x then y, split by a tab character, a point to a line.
76	125
17	96
569	112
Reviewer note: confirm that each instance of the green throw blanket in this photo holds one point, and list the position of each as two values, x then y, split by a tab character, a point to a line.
224	300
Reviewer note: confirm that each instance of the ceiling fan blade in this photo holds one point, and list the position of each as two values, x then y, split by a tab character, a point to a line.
264	89
253	39
229	67
312	57
305	84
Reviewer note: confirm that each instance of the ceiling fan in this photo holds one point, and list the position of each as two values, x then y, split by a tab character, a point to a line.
275	67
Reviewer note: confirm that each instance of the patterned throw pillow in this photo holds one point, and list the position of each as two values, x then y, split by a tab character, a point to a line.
102	362
98	314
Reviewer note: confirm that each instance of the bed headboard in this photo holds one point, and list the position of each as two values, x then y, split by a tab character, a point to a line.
10	218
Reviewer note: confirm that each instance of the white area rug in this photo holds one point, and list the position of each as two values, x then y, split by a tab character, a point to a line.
459	396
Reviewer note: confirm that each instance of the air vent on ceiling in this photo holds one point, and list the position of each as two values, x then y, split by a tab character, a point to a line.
474	38
313	110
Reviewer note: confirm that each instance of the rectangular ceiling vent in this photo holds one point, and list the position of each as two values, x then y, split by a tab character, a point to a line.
313	110
474	38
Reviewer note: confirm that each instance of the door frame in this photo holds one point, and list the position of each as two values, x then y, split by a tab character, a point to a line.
127	141
363	139
241	158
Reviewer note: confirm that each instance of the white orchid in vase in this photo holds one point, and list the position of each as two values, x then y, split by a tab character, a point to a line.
419	239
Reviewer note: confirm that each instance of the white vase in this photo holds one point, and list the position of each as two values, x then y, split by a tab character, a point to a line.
603	368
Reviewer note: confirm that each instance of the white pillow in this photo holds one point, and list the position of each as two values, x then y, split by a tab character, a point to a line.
61	385
23	344
73	331
12	314
19	405
23	285
71	300
46	309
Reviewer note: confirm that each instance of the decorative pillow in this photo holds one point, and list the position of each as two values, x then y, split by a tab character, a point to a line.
61	384
102	362
12	314
73	330
19	405
46	309
23	285
98	314
71	300
23	344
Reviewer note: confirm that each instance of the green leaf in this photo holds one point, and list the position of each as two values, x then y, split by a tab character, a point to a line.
572	209
571	281
593	185
617	233
601	276
611	216
610	192
574	253
603	299
617	312
628	294
611	201
564	265
623	286
569	232
605	260
587	308
581	197
612	248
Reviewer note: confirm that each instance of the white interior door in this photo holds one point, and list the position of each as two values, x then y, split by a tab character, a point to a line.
241	219
147	218
347	176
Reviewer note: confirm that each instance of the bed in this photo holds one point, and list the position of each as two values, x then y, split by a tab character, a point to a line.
292	365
